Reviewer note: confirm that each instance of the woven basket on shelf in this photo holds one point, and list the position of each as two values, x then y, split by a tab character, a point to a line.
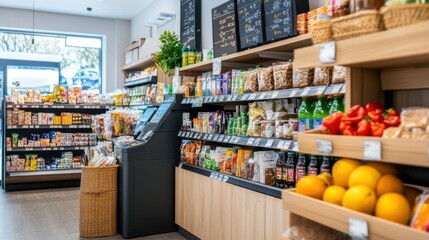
98	201
404	14
356	24
321	32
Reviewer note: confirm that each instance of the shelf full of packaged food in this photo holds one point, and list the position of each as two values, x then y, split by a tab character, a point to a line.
141	81
44	172
234	180
269	95
398	47
74	126
60	106
35	149
344	220
278	144
399	151
255	55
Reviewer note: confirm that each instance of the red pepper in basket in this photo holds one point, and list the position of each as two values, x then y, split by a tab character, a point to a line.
332	122
350	130
391	118
372	106
377	129
355	114
376	115
364	128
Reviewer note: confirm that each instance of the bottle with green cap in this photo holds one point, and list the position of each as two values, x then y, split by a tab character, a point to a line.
305	115
337	104
320	111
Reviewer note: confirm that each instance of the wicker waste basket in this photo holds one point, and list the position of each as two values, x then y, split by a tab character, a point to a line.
98	197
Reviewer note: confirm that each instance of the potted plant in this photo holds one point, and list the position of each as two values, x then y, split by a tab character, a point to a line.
170	53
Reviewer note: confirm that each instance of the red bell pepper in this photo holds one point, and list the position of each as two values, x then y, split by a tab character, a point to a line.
391	118
332	122
364	128
377	129
372	106
355	114
376	115
350	130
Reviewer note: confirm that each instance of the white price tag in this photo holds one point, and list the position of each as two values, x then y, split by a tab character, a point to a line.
200	135
321	90
216	99
250	141
269	143
372	150
25	126
212	175
220	138
234	98
37	126
236	139
210	138
324	146
306	91
275	94
358	229
198	102
286	145
221	98
225	178
195	135
327	52
180	165
229	98
217	66
257	141
227	138
262	96
188	134
343	89
252	96
245	97
280	144
293	93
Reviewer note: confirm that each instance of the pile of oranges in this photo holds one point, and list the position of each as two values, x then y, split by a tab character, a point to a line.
371	188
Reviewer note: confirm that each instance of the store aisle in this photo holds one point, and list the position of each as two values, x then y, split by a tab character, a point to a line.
47	214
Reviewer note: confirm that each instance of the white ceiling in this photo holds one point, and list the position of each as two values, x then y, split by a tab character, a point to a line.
121	9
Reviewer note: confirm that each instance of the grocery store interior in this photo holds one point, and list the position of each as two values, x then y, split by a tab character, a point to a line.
214	120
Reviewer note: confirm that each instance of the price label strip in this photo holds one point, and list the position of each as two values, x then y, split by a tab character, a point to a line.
244	97
220	138
372	150
324	146
250	141
253	96
358	229
275	94
257	141
343	89
227	138
280	144
262	96
229	98
198	102
269	143
293	93
236	139
327	52
195	135
234	98
306	91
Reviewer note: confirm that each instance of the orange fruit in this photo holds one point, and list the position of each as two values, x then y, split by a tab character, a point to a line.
384	168
365	175
360	198
393	207
334	194
342	170
420	216
389	183
327	178
311	186
411	194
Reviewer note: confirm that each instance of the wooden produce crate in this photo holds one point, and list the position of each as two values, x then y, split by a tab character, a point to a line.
399	151
302	208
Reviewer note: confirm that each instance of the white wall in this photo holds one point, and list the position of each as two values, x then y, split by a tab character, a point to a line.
116	34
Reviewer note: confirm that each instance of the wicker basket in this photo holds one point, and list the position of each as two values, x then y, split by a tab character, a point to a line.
404	14
98	201
356	24
321	32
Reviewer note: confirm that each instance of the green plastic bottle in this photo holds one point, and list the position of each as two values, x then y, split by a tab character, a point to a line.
337	104
320	111
305	115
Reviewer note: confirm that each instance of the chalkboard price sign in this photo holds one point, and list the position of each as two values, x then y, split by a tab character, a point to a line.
250	23
190	23
224	29
280	17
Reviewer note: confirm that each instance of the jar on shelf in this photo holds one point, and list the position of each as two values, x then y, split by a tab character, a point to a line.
191	56
279	128
268	128
184	57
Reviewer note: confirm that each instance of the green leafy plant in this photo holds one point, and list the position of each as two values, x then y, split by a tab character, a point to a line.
170	54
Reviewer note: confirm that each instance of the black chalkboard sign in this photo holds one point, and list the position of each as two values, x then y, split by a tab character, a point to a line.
280	18
224	29
190	23
250	23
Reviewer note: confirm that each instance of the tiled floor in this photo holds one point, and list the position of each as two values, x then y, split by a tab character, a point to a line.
47	214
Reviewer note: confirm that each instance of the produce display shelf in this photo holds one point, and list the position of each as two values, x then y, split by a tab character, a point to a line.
399	151
49	126
60	106
139	64
33	149
244	183
277	144
44	172
141	81
343	220
254	55
269	95
398	47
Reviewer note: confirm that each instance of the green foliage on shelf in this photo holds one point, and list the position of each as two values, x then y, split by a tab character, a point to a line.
170	54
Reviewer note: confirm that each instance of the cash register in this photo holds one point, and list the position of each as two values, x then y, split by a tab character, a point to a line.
147	172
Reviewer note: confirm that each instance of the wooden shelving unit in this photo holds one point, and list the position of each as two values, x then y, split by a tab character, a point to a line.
138	64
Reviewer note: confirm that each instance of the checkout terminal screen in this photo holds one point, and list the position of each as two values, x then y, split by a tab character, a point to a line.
160	113
147	114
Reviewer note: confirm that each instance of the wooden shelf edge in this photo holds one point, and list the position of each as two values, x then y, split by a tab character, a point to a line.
403	46
398	151
337	217
139	64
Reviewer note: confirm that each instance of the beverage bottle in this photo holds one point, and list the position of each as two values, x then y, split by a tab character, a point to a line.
313	166
325	167
290	170
230	126
337	104
305	115
320	111
281	170
301	167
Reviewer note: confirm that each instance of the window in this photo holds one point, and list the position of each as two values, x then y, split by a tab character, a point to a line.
80	56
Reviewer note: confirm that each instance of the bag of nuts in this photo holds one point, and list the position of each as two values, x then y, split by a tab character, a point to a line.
339	74
265	79
283	76
322	76
303	77
251	81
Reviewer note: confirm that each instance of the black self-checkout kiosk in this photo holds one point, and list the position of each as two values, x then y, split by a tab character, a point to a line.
147	172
